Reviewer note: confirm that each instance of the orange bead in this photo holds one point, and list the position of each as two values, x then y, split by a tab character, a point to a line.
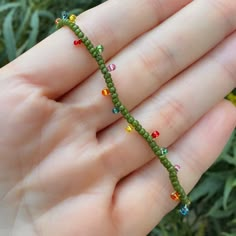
57	20
105	92
175	196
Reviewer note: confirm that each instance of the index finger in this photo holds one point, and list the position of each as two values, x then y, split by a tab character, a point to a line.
55	66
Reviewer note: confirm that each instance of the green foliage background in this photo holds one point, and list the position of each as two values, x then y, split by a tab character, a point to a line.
25	22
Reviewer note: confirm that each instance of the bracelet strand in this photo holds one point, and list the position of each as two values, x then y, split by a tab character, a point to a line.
160	152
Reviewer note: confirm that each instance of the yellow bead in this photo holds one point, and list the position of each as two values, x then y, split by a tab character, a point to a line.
129	128
72	18
105	92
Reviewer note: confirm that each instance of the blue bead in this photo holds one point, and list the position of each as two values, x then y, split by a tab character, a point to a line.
65	15
184	210
115	110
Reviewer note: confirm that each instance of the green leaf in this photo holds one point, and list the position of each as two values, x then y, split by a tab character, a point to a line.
230	184
9	36
34	23
9	6
209	186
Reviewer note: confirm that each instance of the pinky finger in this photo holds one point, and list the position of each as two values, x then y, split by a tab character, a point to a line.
143	197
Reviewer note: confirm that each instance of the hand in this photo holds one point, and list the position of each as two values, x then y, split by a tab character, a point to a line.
67	167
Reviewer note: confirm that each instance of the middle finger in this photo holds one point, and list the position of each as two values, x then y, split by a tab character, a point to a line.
158	55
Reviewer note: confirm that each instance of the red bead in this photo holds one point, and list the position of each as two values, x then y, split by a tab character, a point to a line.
155	134
77	42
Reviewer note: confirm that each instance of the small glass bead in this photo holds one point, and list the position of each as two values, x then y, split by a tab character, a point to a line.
115	110
175	196
99	48
155	134
164	151
57	20
77	42
177	167
105	92
72	18
65	15
129	128
111	67
184	210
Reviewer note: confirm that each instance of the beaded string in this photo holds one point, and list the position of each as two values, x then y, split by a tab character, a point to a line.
133	124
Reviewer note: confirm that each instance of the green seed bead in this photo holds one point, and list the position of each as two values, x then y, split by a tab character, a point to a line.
145	135
91	50
110	85
109	80
122	108
104	70
80	34
99	57
77	32
131	119
141	131
112	89
175	184
171	169
149	139
152	144
126	116
114	95
107	75
87	43
136	124
118	104
124	112
75	27
90	47
102	66
155	149
100	62
115	100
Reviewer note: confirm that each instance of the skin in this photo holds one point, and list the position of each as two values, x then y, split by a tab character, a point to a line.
67	167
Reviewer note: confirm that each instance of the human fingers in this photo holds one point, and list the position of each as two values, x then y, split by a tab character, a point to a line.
156	57
143	197
172	110
55	66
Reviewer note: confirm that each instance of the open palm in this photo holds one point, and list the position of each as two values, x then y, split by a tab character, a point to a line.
67	167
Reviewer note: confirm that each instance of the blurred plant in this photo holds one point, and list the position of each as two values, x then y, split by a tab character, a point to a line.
213	209
25	22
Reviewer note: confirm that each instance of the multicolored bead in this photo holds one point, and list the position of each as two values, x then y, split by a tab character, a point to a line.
99	48
129	128
72	18
105	92
175	196
177	167
164	151
65	15
57	20
111	67
115	110
155	134
184	210
77	42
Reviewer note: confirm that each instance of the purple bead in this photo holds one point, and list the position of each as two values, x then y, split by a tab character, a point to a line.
111	67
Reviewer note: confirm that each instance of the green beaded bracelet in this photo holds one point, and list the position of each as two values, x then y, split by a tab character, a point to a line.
133	124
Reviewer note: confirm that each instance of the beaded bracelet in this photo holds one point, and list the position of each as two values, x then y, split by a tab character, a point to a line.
133	124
